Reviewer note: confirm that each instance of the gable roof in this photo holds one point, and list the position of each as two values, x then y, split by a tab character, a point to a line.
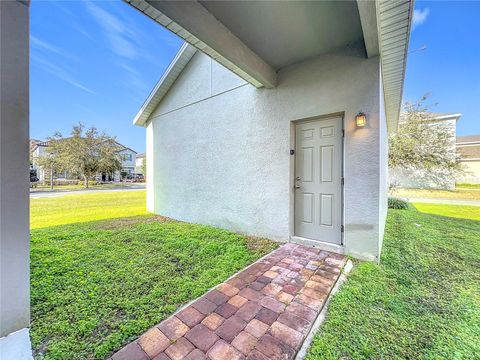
177	65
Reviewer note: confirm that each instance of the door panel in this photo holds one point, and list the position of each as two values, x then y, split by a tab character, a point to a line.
318	174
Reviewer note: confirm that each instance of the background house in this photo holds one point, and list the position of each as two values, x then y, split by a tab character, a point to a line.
128	157
421	178
257	132
139	163
468	148
40	149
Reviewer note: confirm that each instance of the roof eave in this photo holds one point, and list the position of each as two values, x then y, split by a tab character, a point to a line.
181	60
394	20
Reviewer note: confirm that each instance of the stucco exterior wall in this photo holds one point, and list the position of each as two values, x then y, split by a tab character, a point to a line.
218	148
383	169
472	172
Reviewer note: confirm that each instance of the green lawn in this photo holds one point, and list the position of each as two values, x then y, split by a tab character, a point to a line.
467	186
422	302
454	211
68	209
96	285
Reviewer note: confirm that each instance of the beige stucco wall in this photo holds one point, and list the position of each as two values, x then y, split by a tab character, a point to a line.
218	148
472	172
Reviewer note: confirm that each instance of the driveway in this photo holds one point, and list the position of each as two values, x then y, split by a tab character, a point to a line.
445	201
57	193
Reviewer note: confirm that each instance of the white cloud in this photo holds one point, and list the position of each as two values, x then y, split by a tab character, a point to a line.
116	32
43	45
59	72
419	17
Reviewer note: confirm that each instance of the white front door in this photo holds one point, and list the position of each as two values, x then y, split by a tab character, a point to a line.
318	180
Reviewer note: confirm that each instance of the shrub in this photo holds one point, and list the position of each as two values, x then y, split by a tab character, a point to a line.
396	203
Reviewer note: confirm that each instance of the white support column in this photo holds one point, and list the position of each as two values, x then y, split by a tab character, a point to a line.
14	181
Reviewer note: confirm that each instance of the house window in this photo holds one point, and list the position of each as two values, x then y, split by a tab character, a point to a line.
127	157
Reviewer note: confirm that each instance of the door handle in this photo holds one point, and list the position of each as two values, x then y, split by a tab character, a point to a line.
296	186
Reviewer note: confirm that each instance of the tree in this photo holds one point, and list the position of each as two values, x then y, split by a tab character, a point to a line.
85	153
144	167
50	164
422	144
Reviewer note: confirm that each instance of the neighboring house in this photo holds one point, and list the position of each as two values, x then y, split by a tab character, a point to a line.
263	131
40	149
422	179
468	148
128	160
139	163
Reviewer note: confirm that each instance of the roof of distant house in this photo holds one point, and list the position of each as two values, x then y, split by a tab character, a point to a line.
141	155
445	116
468	139
468	147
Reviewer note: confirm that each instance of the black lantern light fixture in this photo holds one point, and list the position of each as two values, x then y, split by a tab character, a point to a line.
361	120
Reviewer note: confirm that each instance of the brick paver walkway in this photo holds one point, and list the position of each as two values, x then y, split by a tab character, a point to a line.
264	312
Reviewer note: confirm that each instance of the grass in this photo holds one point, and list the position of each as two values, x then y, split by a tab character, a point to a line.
96	285
467	186
68	209
421	302
460	193
454	211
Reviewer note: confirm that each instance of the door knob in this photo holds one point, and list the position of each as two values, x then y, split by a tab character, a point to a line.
296	187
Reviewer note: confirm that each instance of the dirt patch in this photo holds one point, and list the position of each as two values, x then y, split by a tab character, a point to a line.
130	221
259	244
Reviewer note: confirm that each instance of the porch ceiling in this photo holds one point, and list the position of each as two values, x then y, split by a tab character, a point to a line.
256	39
283	33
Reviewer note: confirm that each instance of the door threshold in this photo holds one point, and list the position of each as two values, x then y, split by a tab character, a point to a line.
339	249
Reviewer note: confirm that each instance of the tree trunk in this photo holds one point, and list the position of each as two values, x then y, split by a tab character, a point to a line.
85	181
51	178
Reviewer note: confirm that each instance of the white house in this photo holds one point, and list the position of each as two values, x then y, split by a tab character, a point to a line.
139	163
272	119
129	161
219	145
468	149
421	178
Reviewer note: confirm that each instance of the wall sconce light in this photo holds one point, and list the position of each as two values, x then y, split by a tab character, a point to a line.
361	120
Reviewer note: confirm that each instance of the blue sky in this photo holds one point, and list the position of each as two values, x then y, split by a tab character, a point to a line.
449	69
96	62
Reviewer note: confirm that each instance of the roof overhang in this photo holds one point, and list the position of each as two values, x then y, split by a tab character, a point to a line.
234	34
394	19
181	60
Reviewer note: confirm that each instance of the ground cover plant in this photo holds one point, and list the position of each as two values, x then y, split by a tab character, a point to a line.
96	285
421	302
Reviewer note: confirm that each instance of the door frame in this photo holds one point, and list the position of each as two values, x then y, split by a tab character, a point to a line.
293	237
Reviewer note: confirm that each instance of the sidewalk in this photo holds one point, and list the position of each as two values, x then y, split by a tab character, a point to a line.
445	201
